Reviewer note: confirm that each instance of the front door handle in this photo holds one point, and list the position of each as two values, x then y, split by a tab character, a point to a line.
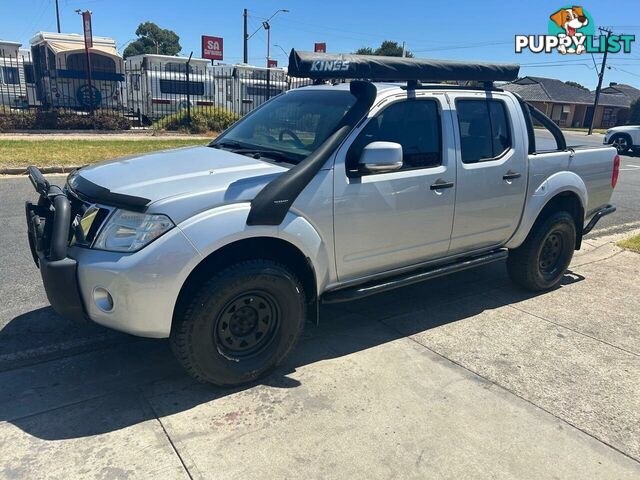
510	175
441	184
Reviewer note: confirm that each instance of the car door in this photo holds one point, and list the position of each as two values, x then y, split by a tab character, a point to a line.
491	170
387	220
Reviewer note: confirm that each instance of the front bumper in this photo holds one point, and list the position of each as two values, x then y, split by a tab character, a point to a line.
144	285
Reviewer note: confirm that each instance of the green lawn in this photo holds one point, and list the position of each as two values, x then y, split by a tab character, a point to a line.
48	153
631	243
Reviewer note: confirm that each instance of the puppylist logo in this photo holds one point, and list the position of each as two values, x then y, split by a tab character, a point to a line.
572	31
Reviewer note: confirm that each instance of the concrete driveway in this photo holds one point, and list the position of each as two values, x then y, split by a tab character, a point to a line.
461	377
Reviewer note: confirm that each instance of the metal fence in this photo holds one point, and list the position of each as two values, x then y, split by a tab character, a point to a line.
143	91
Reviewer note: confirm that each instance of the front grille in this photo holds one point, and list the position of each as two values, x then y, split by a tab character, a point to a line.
86	220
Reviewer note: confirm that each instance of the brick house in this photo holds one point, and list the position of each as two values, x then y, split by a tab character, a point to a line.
570	106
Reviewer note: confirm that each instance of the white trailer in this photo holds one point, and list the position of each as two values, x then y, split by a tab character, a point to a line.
157	85
17	87
61	77
246	87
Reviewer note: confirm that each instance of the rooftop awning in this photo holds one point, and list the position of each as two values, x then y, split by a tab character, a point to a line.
68	47
373	67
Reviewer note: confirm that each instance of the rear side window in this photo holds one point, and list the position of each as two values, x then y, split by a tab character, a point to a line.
484	129
414	124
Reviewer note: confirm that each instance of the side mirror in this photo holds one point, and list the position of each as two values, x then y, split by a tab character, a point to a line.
379	157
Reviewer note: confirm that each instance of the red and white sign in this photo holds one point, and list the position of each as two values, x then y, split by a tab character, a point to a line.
88	34
212	47
320	47
272	63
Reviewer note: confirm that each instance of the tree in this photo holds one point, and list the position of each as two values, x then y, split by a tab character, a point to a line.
386	48
634	115
153	39
577	85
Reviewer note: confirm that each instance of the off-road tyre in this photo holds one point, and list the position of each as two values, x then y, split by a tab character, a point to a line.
542	260
240	324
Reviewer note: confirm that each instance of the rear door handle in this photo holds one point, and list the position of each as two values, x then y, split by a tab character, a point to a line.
511	175
440	185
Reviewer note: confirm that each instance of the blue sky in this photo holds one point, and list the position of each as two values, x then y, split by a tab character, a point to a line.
462	29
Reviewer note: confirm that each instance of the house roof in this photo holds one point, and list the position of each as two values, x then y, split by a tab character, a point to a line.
551	90
632	93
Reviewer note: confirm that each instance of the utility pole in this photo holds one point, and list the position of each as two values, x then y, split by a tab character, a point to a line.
58	15
600	78
404	50
245	57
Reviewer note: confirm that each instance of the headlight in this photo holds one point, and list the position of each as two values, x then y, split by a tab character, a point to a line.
130	231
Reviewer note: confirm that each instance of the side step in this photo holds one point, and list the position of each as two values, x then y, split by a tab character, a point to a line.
416	276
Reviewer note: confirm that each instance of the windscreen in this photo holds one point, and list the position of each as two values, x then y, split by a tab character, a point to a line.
295	123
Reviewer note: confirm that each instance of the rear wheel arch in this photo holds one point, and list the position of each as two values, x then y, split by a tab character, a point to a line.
263	248
567	201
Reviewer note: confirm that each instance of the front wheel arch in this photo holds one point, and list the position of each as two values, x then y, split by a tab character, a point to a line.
255	248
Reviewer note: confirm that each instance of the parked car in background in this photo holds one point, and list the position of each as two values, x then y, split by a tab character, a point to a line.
324	194
625	138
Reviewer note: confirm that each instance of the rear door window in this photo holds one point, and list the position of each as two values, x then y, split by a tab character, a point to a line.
484	129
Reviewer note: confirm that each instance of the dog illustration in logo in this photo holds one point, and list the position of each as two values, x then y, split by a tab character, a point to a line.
570	20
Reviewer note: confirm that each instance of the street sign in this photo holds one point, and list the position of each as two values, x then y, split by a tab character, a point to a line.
320	47
272	63
88	34
212	47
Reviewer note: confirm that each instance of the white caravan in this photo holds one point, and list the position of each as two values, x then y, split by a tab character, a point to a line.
245	86
157	85
17	88
61	77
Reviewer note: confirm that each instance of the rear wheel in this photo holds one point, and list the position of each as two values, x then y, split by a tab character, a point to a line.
241	323
541	261
622	142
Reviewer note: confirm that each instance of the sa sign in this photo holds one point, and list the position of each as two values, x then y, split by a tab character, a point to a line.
320	47
212	47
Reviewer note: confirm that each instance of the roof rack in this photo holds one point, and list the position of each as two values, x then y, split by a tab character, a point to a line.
412	70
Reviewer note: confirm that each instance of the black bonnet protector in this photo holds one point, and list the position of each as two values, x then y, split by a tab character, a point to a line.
272	203
92	193
373	67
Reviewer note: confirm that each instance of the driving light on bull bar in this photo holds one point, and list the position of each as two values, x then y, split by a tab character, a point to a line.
127	231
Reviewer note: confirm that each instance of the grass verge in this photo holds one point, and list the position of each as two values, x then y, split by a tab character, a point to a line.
631	243
50	153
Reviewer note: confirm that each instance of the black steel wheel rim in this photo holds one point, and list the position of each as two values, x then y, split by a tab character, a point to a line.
551	254
247	324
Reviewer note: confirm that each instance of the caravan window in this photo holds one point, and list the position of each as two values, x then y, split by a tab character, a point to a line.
99	63
177	67
180	87
29	74
9	76
263	91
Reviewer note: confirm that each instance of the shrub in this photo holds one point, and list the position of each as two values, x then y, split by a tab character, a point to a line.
202	120
56	120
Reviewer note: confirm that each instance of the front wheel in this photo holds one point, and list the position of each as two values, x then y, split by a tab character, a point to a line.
541	261
241	323
622	143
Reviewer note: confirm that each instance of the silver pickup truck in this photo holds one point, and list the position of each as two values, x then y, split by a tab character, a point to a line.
324	194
